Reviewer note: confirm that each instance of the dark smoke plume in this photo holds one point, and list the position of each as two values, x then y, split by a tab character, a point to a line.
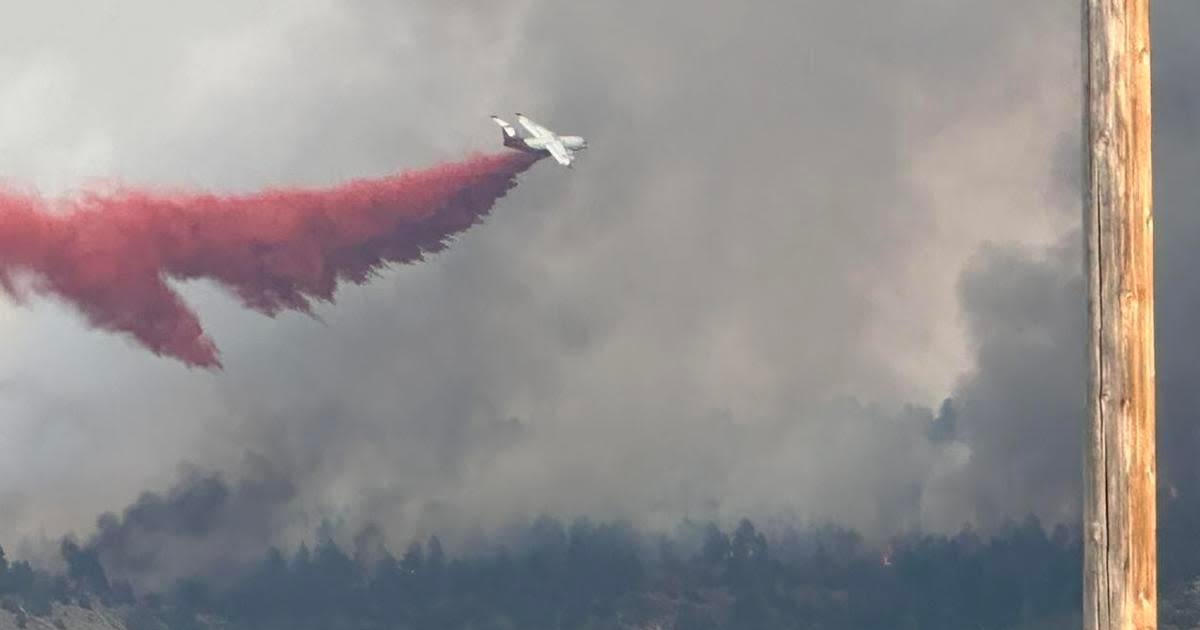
204	525
110	254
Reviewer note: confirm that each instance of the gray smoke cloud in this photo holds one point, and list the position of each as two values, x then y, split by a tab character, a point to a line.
203	525
799	227
1177	230
1020	409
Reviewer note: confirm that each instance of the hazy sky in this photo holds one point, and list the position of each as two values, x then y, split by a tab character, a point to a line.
799	226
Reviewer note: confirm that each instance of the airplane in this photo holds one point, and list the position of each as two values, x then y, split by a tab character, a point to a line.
541	140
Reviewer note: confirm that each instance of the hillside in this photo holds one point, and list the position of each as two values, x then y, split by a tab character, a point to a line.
63	616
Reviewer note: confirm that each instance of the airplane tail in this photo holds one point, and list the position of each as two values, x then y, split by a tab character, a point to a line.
510	134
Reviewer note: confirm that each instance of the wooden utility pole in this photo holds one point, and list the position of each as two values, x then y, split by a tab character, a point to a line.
1120	556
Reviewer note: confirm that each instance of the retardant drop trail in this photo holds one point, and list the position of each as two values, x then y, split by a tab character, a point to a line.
111	254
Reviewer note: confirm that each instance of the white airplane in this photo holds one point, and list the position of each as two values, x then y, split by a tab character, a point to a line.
541	140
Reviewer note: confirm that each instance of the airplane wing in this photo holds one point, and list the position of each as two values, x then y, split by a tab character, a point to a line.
533	128
549	138
560	153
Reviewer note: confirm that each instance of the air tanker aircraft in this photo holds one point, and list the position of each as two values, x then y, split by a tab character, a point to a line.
541	140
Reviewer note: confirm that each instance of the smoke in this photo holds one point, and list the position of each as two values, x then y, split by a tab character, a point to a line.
202	525
787	203
1020	411
111	254
778	210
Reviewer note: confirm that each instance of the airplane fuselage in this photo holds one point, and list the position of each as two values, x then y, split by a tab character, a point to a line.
538	145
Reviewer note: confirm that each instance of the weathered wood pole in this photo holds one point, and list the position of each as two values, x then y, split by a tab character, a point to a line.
1120	556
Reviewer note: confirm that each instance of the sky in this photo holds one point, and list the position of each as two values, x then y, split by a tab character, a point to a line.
798	228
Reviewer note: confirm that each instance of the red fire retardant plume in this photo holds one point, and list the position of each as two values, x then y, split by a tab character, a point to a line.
110	254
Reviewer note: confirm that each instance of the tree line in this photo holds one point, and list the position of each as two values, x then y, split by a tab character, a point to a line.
595	576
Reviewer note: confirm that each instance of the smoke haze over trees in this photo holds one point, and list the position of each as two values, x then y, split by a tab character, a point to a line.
606	575
740	320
